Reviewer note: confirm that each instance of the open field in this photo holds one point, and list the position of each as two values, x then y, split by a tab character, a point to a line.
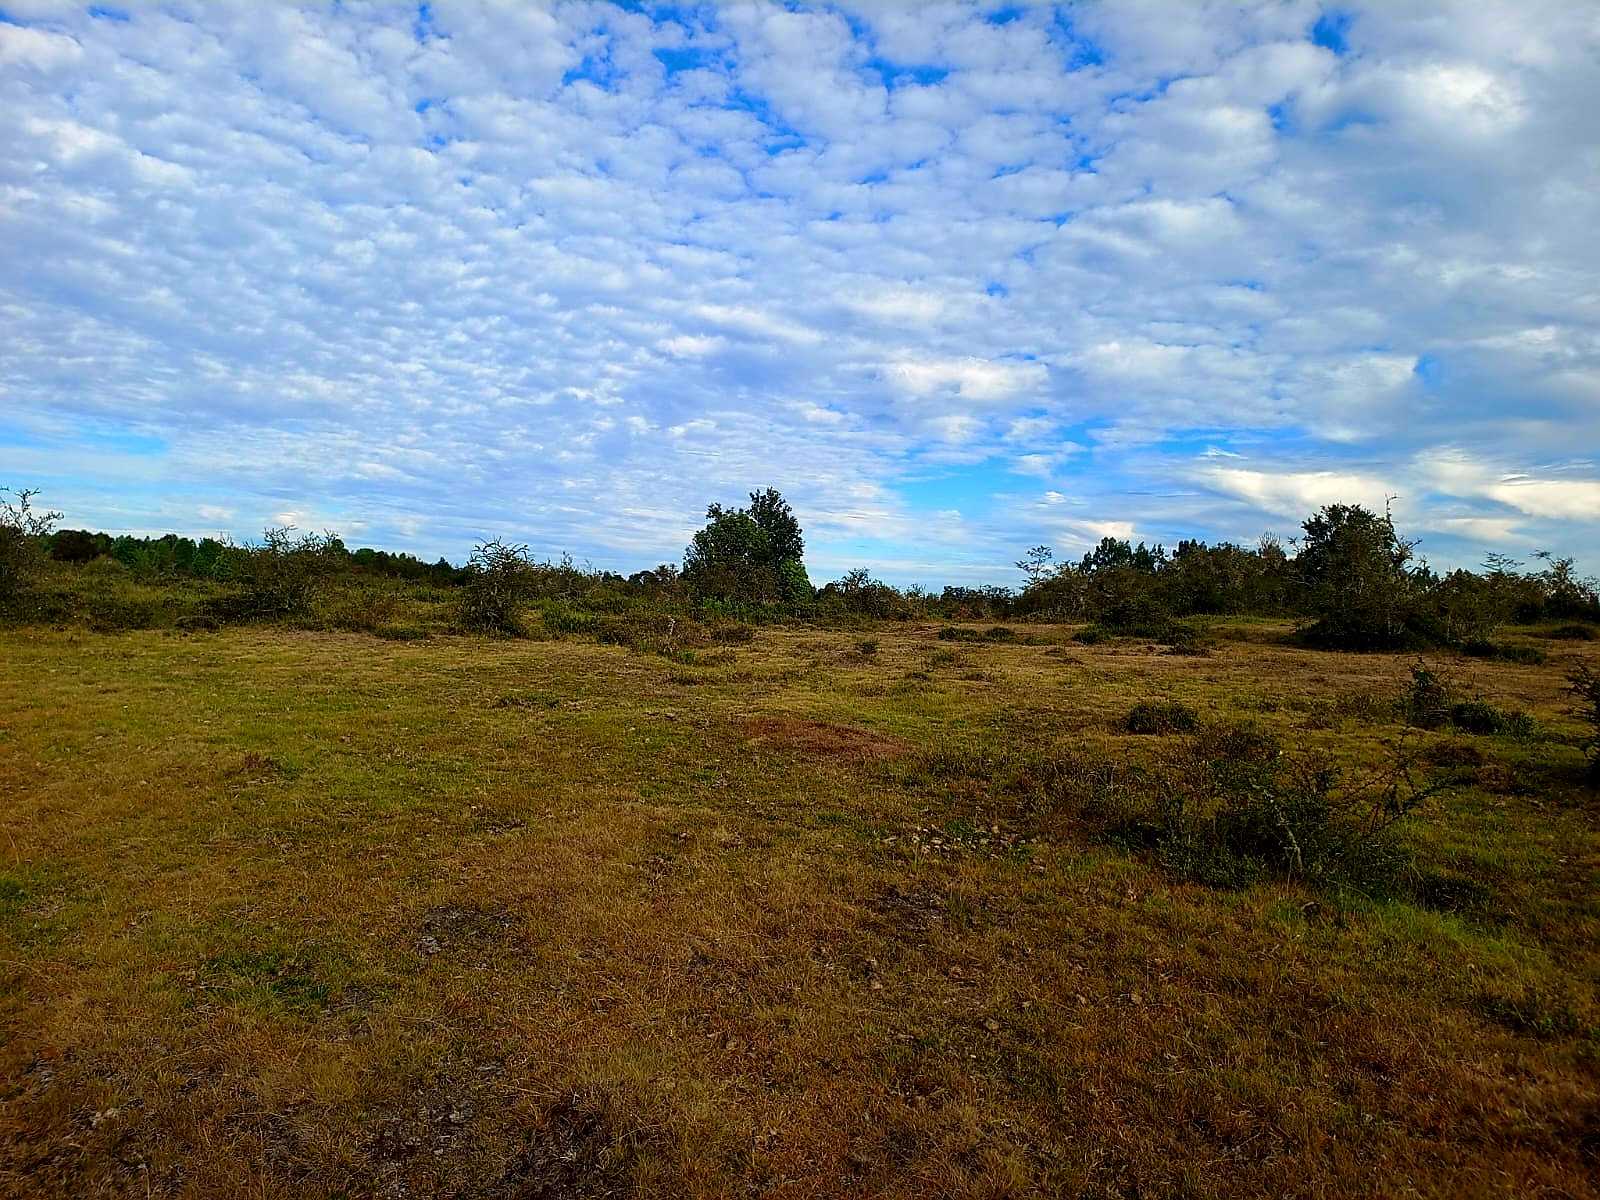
294	914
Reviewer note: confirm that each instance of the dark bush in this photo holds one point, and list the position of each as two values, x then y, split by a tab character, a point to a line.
1480	717
282	575
1358	585
23	529
1504	652
1426	701
1572	633
1161	716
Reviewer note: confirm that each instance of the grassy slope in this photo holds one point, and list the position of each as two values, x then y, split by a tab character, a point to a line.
310	914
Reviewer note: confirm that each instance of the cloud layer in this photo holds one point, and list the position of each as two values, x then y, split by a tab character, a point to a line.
956	278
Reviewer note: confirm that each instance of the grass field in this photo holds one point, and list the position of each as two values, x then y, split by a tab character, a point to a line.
308	914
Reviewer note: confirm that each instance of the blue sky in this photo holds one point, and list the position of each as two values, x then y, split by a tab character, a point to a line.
957	278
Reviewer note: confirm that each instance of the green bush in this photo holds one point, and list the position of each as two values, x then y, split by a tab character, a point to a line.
500	580
1161	716
23	529
1584	685
1478	716
1230	808
281	576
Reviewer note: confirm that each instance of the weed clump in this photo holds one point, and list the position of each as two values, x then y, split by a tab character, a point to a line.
1430	702
282	576
22	530
1161	716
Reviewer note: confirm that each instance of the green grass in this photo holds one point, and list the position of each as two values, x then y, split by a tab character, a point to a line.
323	914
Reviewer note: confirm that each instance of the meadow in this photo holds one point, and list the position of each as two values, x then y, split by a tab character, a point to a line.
891	910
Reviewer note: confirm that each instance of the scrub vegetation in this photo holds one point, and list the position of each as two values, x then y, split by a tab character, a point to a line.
326	875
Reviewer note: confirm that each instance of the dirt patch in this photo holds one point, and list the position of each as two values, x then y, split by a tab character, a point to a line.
823	738
580	1149
465	928
911	910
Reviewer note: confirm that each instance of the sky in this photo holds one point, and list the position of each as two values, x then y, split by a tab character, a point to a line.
957	278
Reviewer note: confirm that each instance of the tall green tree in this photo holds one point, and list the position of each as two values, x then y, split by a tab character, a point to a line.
750	554
1357	578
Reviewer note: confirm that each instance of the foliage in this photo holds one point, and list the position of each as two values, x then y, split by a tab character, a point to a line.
1353	568
1230	808
1426	702
1479	716
281	576
22	529
500	580
752	554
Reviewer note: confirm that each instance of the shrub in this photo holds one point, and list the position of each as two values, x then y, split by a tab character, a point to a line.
732	633
22	530
1163	716
1573	633
1231	808
282	575
653	633
1426	701
499	581
1504	652
956	633
357	606
1358	585
867	646
560	618
1480	717
999	633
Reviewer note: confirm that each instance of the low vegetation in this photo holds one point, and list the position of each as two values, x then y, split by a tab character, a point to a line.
330	877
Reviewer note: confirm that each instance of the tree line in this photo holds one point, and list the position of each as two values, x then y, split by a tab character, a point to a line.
1350	577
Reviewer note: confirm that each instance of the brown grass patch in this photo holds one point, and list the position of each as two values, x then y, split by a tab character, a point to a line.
824	738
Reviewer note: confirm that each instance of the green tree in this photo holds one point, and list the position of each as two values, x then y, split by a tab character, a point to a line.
750	554
1357	577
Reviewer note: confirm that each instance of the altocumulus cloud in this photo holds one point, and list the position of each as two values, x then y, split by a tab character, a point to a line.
956	277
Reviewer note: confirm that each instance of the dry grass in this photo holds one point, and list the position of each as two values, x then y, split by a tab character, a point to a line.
316	915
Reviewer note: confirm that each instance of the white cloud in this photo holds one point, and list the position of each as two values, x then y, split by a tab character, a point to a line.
510	267
970	378
1295	493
